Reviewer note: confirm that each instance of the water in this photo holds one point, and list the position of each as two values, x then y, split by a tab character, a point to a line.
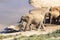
12	10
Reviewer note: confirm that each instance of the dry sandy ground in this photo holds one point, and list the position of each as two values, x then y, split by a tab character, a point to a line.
48	29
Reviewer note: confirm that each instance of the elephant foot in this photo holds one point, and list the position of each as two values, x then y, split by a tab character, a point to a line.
42	29
27	29
36	29
21	30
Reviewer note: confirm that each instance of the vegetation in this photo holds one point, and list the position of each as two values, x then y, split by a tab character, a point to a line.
49	36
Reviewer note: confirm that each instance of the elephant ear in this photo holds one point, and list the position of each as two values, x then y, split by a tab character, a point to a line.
44	3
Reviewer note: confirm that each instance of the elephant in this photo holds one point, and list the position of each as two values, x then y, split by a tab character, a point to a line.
37	24
54	13
41	11
30	21
58	18
37	15
23	22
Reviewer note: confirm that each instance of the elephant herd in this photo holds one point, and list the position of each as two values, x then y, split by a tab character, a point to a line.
35	19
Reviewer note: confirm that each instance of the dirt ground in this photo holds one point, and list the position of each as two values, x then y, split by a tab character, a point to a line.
48	29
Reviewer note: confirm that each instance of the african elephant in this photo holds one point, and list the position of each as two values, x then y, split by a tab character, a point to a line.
54	12
37	15
31	19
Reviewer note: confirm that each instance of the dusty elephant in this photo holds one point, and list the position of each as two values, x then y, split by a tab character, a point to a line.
37	15
31	20
23	22
54	13
37	24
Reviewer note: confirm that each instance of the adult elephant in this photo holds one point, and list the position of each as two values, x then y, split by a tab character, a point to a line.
37	15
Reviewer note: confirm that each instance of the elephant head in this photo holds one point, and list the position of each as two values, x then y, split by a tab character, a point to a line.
23	22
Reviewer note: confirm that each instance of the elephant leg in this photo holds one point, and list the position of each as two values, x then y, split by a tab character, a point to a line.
28	25
31	26
44	19
23	24
34	27
41	26
50	19
57	20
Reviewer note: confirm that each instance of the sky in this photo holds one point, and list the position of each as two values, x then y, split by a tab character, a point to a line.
12	10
